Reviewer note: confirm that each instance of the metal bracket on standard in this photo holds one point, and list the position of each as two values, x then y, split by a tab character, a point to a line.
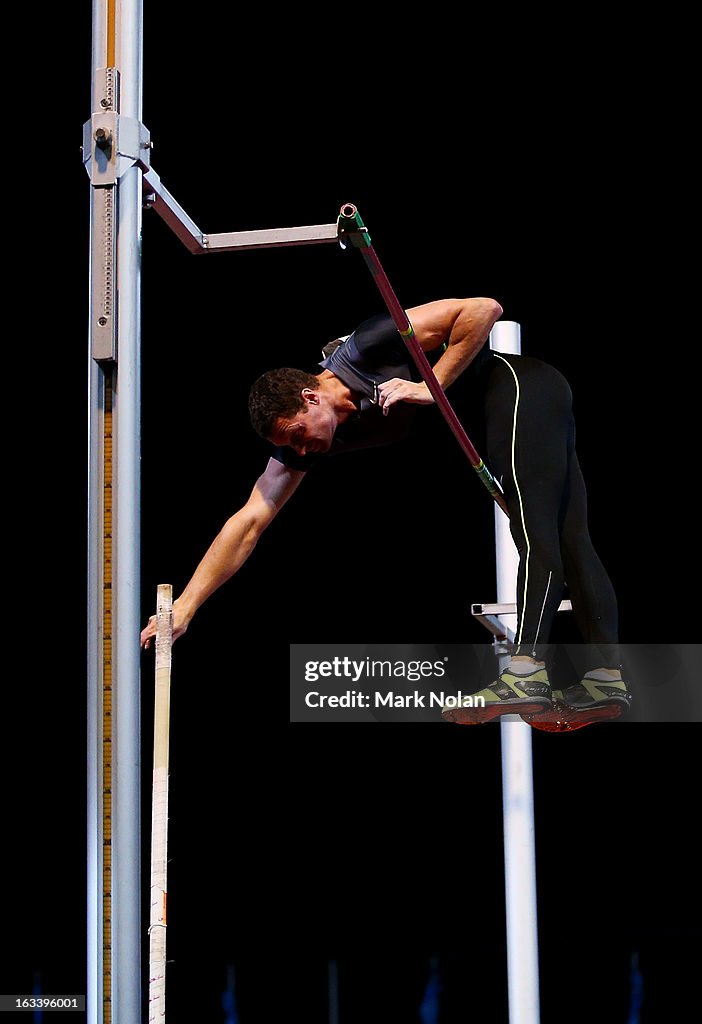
503	636
112	144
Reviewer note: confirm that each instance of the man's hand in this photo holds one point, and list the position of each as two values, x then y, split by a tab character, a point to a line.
399	390
181	621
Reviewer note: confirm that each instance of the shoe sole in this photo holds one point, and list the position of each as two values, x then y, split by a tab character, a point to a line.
480	716
568	718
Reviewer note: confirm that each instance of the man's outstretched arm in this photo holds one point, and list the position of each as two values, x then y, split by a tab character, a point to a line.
232	545
463	325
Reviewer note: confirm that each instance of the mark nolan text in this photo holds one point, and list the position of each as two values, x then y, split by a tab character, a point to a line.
391	699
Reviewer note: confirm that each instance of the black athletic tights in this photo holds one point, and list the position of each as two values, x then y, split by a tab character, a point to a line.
531	450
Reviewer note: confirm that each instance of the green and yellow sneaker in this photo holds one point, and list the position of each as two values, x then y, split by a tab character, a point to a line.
595	699
510	694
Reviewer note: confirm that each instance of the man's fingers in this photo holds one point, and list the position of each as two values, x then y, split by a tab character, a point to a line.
386	391
148	632
389	401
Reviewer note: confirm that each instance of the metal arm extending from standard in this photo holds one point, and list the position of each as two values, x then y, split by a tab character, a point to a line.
158	198
489	615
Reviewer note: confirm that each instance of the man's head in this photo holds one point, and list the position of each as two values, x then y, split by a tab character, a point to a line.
289	407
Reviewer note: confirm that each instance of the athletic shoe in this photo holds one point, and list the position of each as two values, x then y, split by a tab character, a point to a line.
511	694
596	700
577	706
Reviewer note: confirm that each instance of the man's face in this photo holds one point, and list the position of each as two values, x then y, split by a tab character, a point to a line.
310	430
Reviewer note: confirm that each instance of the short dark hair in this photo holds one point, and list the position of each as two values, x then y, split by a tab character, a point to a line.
277	395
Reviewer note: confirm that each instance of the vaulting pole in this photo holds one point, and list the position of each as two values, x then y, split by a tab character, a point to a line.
352	227
159	806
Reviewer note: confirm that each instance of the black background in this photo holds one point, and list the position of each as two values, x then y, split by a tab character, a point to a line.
481	167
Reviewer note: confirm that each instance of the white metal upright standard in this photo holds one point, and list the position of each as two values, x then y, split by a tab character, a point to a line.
517	782
113	143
